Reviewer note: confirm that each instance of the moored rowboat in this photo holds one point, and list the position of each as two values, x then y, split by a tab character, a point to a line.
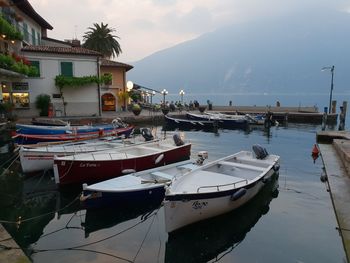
99	166
217	187
39	138
133	188
37	158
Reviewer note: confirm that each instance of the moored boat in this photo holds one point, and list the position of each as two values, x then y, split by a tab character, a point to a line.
222	121
39	138
37	158
99	166
190	124
217	187
134	188
67	129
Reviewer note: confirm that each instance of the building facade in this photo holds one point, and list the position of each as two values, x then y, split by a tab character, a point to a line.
50	58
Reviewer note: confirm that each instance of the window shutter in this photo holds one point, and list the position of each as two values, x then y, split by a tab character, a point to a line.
67	69
36	64
33	37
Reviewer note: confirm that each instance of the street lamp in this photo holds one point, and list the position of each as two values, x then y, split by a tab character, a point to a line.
152	94
182	93
330	95
129	85
164	92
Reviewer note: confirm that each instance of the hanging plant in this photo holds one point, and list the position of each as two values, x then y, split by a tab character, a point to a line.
9	31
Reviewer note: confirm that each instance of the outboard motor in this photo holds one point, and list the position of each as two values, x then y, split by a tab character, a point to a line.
202	155
147	134
260	152
178	141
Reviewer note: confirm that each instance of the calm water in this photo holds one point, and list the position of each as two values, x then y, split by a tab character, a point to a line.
291	220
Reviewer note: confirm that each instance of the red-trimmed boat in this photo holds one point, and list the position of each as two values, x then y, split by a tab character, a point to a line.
100	166
39	138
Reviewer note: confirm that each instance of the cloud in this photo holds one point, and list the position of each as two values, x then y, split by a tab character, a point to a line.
147	26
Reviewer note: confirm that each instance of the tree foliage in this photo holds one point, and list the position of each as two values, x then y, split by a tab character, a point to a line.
100	38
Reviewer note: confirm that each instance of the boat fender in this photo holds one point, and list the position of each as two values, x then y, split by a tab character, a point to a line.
323	178
128	171
276	167
159	159
265	180
260	152
241	192
177	140
147	134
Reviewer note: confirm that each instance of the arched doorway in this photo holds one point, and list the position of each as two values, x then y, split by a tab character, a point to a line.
108	102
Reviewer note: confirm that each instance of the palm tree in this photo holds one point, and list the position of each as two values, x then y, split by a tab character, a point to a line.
100	38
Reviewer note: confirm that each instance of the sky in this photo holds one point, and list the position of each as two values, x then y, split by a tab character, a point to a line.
147	26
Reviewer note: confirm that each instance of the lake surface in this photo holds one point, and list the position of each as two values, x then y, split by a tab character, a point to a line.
291	220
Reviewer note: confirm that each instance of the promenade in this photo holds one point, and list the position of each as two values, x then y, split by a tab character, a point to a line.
336	159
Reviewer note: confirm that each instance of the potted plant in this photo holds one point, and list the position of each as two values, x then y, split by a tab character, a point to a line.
202	108
136	109
165	109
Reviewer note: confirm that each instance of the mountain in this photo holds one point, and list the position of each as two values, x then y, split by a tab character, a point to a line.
273	56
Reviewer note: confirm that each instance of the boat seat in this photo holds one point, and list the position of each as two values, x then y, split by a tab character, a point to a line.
189	166
163	175
244	166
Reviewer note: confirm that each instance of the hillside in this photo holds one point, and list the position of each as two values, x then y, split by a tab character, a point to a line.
282	55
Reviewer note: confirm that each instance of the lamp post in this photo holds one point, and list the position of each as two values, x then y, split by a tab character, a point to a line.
129	87
152	94
182	93
164	92
330	94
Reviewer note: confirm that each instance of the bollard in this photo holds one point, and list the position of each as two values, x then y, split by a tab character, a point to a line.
324	118
341	119
334	106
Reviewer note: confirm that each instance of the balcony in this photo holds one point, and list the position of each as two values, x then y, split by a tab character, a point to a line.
16	66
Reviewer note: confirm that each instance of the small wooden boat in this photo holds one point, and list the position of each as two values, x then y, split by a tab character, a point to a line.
217	187
134	188
100	166
67	129
38	158
39	138
223	122
49	122
189	124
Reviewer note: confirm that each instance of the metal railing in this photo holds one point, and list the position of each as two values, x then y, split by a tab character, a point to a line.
222	185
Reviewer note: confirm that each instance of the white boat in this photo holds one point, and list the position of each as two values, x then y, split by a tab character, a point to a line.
217	187
137	187
38	158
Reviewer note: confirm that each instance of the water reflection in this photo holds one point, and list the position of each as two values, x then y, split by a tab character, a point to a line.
214	238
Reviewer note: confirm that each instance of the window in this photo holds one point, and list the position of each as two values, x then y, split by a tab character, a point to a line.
21	100
35	64
67	69
33	37
25	32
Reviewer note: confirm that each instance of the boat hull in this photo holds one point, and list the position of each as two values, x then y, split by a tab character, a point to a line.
37	138
197	207
221	122
189	124
98	199
81	171
55	130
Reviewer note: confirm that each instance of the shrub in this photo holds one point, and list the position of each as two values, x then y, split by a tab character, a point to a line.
42	103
